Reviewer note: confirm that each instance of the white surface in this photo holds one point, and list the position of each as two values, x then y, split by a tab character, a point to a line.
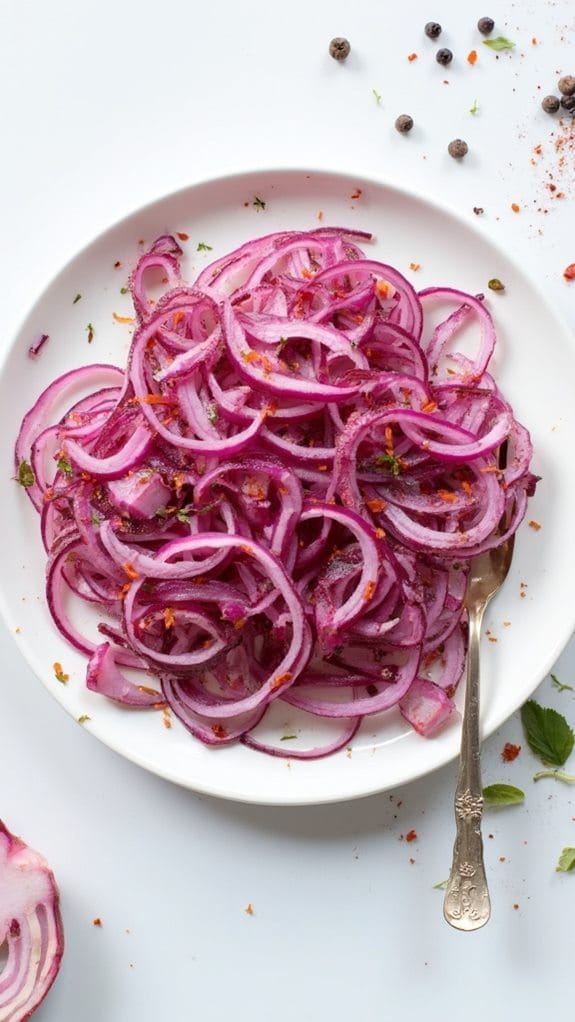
385	751
106	106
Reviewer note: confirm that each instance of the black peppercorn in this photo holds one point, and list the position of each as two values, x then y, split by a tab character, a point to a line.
339	48
486	26
458	148
404	123
568	103
550	104
433	29
444	56
566	85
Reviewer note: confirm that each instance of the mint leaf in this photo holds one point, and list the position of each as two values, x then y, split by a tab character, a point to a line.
548	733
566	861
499	43
561	686
503	795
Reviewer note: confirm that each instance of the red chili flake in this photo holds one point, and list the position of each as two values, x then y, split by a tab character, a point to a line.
282	679
415	267
515	207
219	731
97	921
369	591
357	194
167	720
569	272
534	525
411	836
59	674
130	571
117	264
182	236
376	505
534	41
319	214
412	57
472	57
510	752
169	619
249	909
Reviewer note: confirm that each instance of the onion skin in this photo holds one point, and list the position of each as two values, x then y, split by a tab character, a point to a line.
31	926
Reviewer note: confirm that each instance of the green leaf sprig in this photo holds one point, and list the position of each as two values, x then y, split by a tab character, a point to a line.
499	43
548	734
503	795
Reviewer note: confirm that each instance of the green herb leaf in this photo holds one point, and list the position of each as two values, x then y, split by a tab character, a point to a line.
63	465
441	885
183	515
475	108
83	718
124	290
547	732
566	861
561	686
499	43
25	474
287	738
202	247
557	775
389	463
503	795
77	298
495	284
376	96
258	203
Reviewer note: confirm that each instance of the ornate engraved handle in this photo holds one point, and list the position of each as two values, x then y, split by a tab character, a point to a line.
466	905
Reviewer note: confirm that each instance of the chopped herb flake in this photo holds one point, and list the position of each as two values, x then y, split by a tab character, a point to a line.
124	290
560	685
203	247
376	96
63	465
77	298
475	108
499	43
287	738
566	861
503	795
90	332
258	203
25	474
388	463
83	718
548	733
59	674
441	886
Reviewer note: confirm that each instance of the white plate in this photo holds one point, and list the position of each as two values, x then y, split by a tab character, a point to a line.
534	364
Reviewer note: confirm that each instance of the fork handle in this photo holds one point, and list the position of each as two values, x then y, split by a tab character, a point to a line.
466	905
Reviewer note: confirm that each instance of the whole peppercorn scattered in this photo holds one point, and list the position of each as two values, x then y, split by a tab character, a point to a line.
444	56
404	123
432	29
550	104
568	103
458	148
566	85
339	48
486	26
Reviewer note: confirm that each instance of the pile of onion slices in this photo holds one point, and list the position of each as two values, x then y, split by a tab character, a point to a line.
278	496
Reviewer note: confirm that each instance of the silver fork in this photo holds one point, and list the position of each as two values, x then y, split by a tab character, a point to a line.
466	905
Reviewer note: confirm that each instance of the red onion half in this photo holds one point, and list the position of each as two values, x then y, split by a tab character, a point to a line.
30	928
